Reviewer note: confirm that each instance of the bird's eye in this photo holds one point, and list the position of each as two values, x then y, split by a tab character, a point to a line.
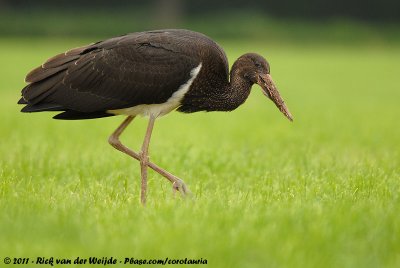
258	64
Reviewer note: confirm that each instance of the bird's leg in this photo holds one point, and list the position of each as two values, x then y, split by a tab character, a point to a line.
177	184
116	143
144	158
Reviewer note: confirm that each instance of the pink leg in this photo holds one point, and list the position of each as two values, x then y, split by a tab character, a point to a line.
144	158
177	184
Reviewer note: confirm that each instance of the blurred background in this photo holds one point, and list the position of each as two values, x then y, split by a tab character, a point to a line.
269	193
332	21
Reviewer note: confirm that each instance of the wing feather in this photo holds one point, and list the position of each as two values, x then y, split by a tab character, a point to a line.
35	92
121	72
41	73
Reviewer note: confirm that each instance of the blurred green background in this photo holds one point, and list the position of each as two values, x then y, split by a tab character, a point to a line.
281	21
323	191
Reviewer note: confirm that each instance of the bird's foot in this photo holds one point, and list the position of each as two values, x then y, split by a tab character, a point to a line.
179	186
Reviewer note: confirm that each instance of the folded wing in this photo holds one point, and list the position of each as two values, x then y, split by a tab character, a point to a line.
118	73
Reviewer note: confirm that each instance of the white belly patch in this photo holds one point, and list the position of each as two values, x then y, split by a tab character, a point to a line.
161	109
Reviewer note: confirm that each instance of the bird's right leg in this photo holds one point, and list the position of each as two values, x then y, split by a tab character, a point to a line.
177	184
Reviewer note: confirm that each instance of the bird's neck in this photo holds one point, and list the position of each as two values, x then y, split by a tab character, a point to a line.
216	94
236	91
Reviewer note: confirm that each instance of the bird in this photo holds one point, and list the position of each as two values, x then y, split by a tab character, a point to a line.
150	74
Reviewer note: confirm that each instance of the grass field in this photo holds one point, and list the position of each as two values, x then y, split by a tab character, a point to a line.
323	191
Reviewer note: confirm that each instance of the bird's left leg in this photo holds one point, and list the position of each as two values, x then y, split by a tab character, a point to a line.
144	158
177	184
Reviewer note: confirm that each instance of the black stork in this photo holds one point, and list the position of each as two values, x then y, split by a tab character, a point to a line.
150	74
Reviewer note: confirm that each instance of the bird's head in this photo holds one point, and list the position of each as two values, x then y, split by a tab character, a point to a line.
255	69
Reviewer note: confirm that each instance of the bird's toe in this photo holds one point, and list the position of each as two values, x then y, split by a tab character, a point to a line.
180	186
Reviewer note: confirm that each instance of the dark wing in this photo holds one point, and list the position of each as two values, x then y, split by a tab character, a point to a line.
118	73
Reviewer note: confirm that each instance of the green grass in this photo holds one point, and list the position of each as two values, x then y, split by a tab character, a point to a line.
323	191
